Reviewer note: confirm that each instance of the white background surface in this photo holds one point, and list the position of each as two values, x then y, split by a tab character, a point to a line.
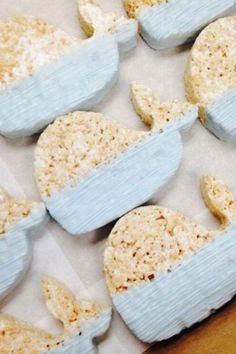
78	262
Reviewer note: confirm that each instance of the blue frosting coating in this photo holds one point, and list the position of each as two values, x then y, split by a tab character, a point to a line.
160	309
183	124
126	36
117	187
16	250
179	21
15	256
77	81
221	117
83	344
122	184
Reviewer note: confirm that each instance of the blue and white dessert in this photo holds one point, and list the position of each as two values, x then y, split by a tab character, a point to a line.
165	272
19	221
83	322
45	72
170	23
210	78
91	170
95	23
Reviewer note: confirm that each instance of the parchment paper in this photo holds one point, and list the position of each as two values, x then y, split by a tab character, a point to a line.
79	262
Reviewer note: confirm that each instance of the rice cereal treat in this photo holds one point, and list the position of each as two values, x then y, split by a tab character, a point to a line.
170	23
91	170
165	272
44	72
83	321
210	77
19	221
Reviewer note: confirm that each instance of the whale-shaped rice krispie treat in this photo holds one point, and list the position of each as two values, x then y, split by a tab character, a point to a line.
210	77
170	23
166	272
45	72
90	170
19	220
83	322
95	23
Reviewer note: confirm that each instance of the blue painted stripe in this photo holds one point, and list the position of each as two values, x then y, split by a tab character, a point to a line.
126	36
16	249
78	81
221	117
160	309
179	21
119	186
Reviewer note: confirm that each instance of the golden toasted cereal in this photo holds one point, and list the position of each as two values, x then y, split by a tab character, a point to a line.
210	71
18	337
133	7
12	210
76	144
27	44
151	240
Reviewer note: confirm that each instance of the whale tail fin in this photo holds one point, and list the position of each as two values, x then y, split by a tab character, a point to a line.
66	308
60	301
159	116
219	199
94	23
12	211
